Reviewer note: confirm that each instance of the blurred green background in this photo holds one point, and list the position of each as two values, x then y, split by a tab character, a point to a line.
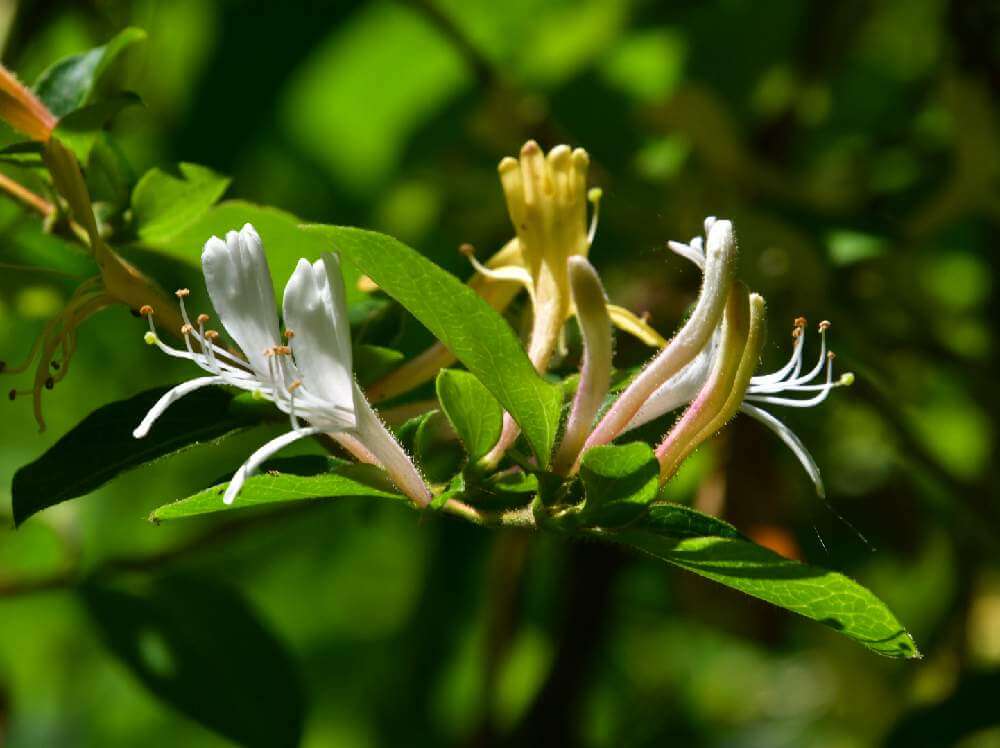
857	149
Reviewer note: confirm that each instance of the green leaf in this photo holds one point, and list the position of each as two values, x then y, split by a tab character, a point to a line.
679	521
295	479
474	413
619	482
474	332
109	175
101	446
284	241
199	646
75	81
825	596
164	204
79	129
372	362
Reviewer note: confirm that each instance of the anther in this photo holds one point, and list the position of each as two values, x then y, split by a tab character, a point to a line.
211	334
203	318
150	338
182	292
467	249
295	385
645	316
594	194
282	350
50	383
801	322
830	356
824	326
289	334
146	310
186	329
847	379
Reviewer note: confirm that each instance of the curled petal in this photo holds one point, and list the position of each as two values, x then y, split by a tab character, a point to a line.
262	455
171	397
791	441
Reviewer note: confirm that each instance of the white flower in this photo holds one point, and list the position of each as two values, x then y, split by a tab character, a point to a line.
309	376
766	389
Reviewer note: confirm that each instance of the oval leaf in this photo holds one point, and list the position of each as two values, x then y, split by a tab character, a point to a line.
825	596
72	82
474	413
472	330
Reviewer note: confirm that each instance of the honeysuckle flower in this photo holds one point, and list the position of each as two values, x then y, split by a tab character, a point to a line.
547	200
308	375
783	387
687	343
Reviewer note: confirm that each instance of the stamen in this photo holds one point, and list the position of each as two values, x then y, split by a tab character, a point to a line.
289	334
146	310
203	318
594	196
182	292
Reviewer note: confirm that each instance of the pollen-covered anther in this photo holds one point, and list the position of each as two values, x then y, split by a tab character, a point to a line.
289	334
146	310
211	335
824	325
295	385
467	249
150	338
202	318
830	355
847	378
181	293
186	329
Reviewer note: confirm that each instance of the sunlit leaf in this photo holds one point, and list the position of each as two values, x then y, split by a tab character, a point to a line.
74	82
294	479
474	413
474	332
164	204
825	596
619	482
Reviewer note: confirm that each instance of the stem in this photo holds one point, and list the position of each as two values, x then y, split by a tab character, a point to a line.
522	517
26	197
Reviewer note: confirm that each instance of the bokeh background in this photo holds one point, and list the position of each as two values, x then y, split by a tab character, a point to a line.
855	145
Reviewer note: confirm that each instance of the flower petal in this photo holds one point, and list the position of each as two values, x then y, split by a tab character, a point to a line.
169	398
239	284
791	441
315	311
255	460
